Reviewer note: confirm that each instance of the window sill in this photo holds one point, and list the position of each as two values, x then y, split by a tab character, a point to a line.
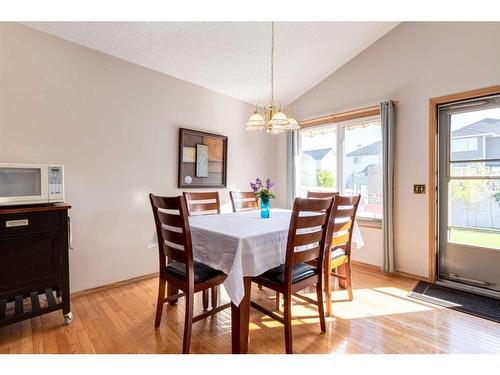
369	223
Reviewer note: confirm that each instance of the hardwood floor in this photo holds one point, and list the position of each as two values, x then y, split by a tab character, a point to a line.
381	319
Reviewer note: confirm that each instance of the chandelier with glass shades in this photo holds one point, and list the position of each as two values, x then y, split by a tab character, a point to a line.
271	118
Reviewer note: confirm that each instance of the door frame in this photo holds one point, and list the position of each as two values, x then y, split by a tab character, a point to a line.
433	167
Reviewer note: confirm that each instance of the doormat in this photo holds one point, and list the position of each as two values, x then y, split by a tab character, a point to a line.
484	307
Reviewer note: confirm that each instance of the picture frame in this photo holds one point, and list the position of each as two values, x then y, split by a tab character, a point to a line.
202	159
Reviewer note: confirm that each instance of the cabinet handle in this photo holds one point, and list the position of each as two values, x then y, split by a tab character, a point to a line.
17	223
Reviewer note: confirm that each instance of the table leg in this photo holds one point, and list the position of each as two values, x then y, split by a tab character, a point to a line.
239	320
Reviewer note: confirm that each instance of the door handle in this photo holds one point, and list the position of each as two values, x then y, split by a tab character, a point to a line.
17	223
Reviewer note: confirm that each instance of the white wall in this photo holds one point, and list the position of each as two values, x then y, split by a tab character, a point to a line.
412	63
114	125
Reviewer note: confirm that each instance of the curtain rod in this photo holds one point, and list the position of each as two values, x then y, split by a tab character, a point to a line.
343	116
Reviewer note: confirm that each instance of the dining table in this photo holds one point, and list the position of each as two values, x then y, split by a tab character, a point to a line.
243	245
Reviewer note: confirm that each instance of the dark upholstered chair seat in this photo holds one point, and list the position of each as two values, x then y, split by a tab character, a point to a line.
201	272
300	271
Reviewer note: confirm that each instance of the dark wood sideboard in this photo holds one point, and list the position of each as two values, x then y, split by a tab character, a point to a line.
34	269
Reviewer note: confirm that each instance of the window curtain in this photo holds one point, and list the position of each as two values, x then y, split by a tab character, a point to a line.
292	151
388	121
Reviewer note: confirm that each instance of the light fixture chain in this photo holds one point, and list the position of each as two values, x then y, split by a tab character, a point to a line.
272	119
272	64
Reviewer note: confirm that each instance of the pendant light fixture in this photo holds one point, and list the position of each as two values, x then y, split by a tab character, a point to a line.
271	118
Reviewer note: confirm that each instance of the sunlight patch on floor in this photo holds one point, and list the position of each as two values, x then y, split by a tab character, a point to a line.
253	326
376	302
369	302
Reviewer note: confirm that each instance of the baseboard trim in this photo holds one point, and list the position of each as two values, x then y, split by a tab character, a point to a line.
412	276
371	267
103	288
356	263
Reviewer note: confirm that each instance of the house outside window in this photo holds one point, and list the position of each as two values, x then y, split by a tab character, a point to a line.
344	157
464	144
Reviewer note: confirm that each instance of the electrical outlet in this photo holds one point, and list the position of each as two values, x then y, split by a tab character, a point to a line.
419	189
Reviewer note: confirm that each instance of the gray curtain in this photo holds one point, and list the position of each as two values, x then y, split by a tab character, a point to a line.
292	150
388	120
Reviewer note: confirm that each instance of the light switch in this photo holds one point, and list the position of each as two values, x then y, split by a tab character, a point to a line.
419	189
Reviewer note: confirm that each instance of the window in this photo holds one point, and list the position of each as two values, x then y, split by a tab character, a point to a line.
344	157
318	155
365	142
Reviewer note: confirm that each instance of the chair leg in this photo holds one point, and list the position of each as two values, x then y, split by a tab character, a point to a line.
171	290
260	286
341	270
160	301
215	296
205	299
188	321
321	309
328	291
278	301
348	275
288	322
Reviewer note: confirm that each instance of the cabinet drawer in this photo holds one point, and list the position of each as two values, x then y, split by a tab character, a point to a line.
30	223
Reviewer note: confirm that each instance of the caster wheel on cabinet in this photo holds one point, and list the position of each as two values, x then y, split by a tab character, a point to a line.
68	318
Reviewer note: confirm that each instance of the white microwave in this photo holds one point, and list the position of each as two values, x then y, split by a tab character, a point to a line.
31	183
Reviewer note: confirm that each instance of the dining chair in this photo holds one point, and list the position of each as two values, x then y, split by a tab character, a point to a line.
204	203
306	242
310	195
321	194
338	251
177	267
244	201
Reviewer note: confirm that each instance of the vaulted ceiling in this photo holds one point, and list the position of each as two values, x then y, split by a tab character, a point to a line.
232	58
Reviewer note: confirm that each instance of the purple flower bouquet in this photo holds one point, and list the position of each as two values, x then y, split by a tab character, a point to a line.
265	194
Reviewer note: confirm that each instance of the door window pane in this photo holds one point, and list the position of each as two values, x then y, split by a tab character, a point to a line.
318	160
363	166
474	188
474	209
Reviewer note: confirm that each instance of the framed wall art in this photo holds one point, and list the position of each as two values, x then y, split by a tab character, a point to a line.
202	159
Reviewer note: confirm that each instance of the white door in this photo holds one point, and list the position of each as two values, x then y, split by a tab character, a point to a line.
469	195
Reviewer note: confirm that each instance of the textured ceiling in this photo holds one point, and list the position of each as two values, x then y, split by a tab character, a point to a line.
232	58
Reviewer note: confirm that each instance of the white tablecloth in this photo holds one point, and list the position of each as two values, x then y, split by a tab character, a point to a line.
242	244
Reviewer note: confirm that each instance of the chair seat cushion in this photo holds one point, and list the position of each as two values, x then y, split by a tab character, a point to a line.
300	272
337	258
201	271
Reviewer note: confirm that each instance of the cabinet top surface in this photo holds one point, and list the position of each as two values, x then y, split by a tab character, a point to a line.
34	208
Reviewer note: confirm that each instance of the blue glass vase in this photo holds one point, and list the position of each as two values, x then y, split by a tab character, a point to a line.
265	207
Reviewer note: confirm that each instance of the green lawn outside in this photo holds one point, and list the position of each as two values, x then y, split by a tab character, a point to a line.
475	238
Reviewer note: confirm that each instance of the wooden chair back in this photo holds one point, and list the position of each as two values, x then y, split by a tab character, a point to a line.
172	230
321	194
307	233
206	203
341	224
244	201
